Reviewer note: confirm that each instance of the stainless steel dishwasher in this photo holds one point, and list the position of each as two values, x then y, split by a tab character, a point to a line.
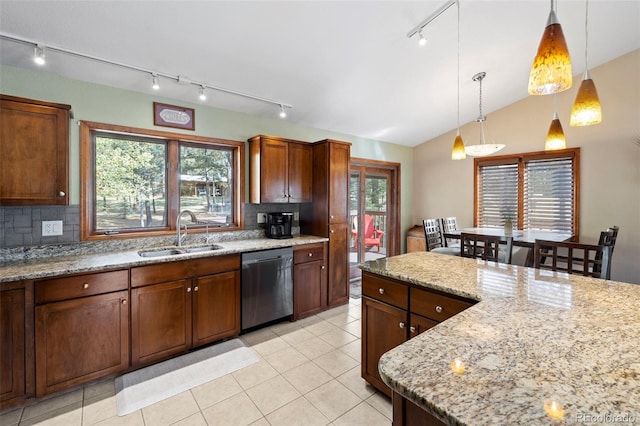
267	286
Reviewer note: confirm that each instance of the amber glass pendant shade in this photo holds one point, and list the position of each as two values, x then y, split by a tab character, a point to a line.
555	136
551	69
457	153
586	109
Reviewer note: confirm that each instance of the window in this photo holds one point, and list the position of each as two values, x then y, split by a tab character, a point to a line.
538	191
135	182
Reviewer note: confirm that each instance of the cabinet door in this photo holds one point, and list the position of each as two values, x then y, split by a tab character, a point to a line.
160	321
338	264
339	158
383	328
33	137
300	165
309	288
419	324
216	307
12	344
80	340
274	185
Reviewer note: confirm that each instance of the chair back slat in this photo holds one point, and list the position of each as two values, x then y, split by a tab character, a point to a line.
449	224
433	233
584	259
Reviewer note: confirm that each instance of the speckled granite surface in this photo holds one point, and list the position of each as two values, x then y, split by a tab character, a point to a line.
539	348
41	265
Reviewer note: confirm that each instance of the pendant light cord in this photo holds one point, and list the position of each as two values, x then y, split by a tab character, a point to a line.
586	34
458	7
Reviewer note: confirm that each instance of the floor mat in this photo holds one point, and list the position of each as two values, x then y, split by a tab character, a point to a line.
149	385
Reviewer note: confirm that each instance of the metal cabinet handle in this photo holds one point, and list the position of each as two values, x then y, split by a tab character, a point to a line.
331	217
412	329
85	285
401	325
439	309
310	254
195	288
61	193
124	301
381	290
322	267
188	289
332	231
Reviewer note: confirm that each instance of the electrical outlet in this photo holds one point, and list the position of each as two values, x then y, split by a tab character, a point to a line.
262	218
51	228
296	215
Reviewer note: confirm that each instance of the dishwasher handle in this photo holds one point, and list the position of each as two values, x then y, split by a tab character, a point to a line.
271	259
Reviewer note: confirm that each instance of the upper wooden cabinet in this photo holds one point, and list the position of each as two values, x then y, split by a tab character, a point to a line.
280	170
34	152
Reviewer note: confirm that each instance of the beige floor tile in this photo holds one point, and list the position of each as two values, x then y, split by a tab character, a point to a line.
307	377
362	415
313	348
341	319
132	419
285	327
333	399
52	404
297	336
338	338
355	302
96	409
258	336
270	346
261	422
354	327
272	394
105	387
170	410
254	374
11	418
286	359
215	391
382	403
336	362
353	380
69	415
238	410
355	311
298	412
195	420
353	349
334	311
319	328
306	322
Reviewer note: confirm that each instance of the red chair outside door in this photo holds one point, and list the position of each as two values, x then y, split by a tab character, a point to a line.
372	236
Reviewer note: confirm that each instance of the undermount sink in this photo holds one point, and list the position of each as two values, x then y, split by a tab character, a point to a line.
172	251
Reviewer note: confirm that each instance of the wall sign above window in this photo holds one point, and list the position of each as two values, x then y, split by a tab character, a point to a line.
174	116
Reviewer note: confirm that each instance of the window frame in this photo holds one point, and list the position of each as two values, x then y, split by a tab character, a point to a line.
173	142
522	159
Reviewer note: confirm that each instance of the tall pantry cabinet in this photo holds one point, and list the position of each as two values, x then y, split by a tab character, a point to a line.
328	215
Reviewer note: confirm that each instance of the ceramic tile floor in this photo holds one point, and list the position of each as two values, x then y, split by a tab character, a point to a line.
308	374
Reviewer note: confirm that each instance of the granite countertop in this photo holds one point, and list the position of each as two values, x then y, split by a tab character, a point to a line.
42	267
540	347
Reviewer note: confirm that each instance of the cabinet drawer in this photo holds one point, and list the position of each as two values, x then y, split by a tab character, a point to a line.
385	290
308	253
435	305
171	271
71	287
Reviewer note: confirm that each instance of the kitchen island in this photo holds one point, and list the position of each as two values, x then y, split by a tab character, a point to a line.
539	347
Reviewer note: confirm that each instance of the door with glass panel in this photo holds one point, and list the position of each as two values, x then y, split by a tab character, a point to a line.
373	213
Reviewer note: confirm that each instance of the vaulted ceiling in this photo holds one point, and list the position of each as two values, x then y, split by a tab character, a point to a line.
345	66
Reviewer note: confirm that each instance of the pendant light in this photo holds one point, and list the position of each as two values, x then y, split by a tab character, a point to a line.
551	69
458	152
555	135
482	149
586	108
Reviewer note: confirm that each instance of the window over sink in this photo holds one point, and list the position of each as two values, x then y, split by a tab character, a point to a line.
134	182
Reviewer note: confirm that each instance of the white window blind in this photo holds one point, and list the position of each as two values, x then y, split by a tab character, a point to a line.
497	194
549	194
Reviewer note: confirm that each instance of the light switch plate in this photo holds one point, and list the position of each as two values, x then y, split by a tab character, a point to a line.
262	218
51	228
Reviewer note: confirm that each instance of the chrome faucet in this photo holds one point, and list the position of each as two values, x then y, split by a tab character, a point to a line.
180	238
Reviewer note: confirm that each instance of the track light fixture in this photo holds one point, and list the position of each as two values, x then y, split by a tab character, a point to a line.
418	29
39	54
202	96
422	40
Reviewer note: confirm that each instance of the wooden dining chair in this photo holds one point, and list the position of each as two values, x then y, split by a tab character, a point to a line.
486	247
450	224
434	238
589	260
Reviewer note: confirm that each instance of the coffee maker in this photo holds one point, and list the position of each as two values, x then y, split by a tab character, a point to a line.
279	225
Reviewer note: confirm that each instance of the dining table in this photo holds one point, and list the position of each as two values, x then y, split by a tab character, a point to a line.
521	238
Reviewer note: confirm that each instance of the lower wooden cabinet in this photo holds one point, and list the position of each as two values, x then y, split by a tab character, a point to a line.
338	292
180	305
80	340
12	345
406	413
309	280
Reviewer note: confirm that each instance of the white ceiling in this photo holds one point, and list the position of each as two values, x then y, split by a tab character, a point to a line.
345	66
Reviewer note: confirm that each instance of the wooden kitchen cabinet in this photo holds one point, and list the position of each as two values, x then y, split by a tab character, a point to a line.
309	279
81	329
176	306
280	170
13	345
394	311
34	152
338	264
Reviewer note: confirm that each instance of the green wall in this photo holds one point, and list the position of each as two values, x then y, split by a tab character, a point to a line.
92	102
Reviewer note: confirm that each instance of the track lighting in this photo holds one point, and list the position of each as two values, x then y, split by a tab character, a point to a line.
418	29
38	56
283	114
423	40
156	84
202	96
